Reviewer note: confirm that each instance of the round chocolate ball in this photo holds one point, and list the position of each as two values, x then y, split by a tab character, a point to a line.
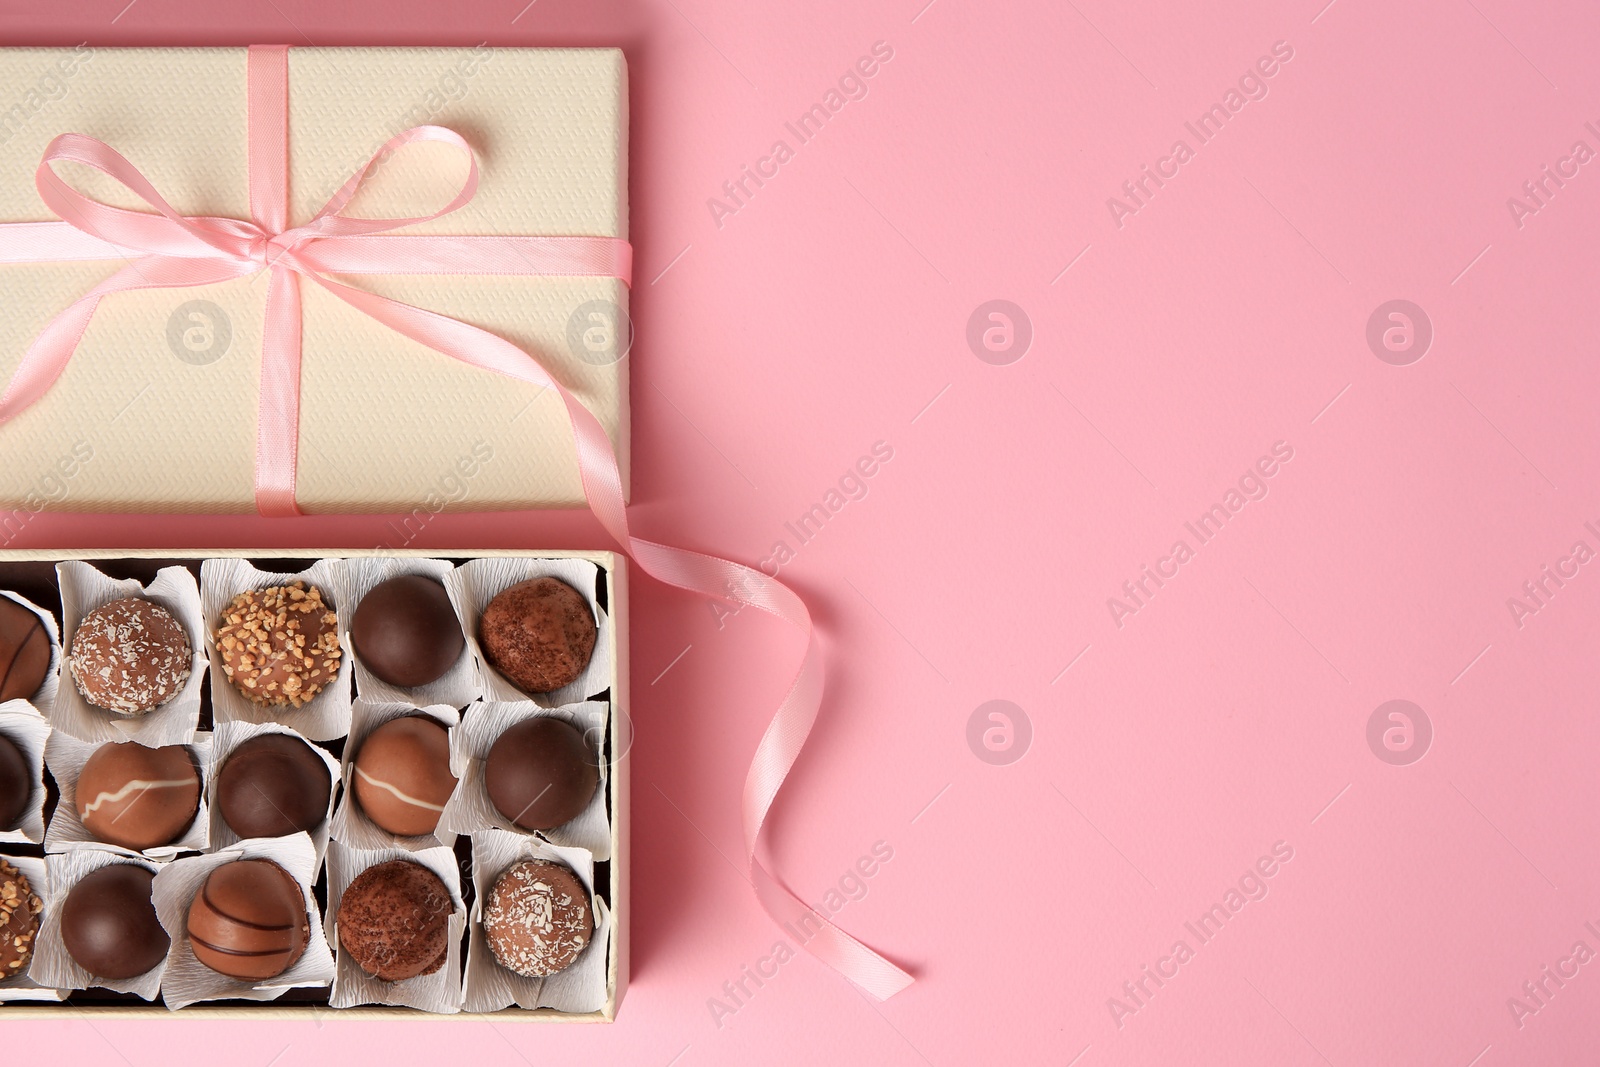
249	921
540	773
406	632
273	785
19	920
129	656
24	651
394	921
109	924
402	775
138	797
279	646
538	919
16	784
540	634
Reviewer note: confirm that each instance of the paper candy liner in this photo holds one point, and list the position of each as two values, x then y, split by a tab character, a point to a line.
187	980
83	588
439	992
478	581
23	985
489	986
52	964
45	698
355	578
21	723
470	808
229	736
351	826
66	756
323	718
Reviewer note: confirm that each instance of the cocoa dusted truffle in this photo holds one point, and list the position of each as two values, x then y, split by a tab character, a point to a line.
406	632
279	646
249	921
129	656
394	921
402	775
539	634
24	651
538	919
109	924
16	783
19	920
273	785
540	773
138	797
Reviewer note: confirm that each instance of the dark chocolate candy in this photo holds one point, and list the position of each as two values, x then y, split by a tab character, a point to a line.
16	784
273	785
109	924
406	632
540	773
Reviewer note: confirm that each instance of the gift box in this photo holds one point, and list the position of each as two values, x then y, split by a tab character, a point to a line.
37	576
159	406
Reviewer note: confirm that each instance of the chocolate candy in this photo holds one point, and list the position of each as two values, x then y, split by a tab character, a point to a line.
249	921
16	784
406	632
24	651
138	797
129	656
19	920
540	773
538	919
402	775
279	646
394	920
273	785
109	924
539	634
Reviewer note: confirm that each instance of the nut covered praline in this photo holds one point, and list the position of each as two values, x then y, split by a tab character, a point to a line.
19	920
280	645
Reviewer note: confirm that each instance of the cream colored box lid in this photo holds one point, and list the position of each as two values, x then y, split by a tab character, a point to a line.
157	413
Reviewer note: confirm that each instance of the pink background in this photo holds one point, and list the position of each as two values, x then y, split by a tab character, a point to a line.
1230	713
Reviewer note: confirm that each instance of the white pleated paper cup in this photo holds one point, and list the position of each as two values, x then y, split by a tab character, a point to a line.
23	725
491	987
187	980
358	576
439	992
325	716
65	756
351	825
478	581
83	589
470	809
53	965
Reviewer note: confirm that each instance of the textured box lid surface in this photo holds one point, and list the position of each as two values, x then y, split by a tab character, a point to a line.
386	424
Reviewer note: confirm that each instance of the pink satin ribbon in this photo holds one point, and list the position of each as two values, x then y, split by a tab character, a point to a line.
166	250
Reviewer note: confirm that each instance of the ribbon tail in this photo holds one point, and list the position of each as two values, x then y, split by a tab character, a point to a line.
53	349
696	572
278	416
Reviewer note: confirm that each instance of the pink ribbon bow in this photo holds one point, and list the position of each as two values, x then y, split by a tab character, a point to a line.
167	250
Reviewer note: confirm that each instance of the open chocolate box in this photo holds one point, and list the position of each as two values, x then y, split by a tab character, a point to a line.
472	701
